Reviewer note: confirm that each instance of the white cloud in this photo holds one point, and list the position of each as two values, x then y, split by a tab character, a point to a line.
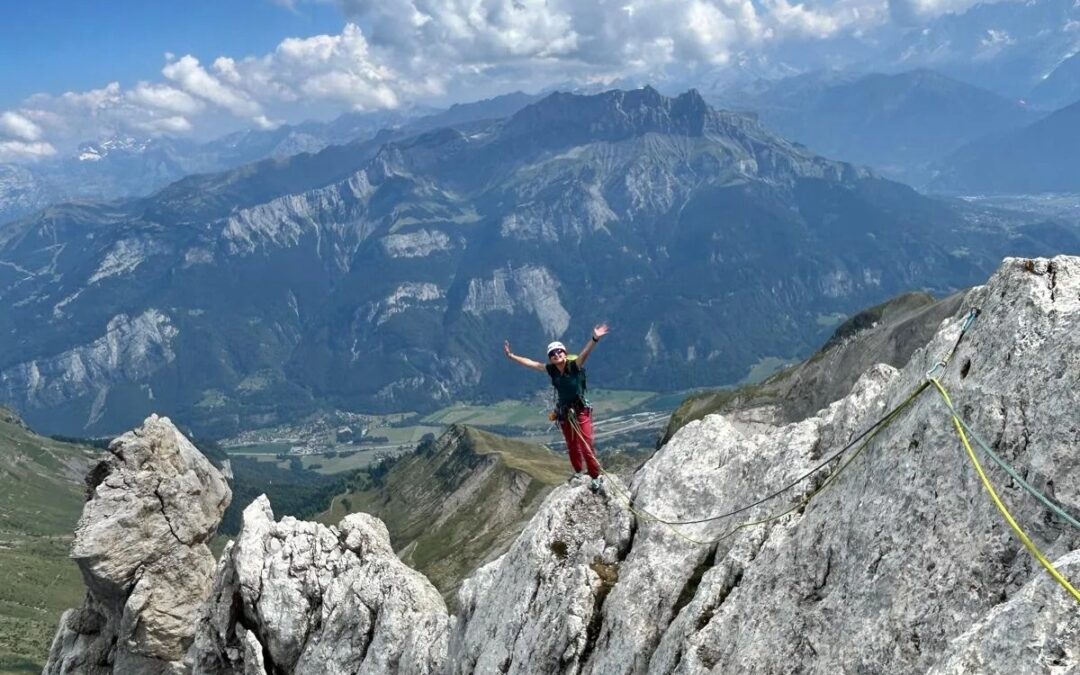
190	76
919	11
437	51
14	124
166	98
339	68
21	151
175	124
799	20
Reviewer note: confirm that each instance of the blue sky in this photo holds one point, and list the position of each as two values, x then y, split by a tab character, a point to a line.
81	70
72	45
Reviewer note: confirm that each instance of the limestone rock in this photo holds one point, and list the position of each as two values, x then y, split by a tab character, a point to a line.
141	548
902	565
1037	629
538	608
885	571
299	597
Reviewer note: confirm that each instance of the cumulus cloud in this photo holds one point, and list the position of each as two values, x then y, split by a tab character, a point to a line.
14	124
177	124
195	80
339	68
397	52
165	97
912	12
21	151
499	34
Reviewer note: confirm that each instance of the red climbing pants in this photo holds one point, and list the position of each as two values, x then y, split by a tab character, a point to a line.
579	442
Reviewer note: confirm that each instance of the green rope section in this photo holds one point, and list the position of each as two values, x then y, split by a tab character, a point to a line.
1009	470
871	431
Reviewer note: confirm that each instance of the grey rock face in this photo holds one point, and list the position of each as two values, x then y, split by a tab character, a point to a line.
298	597
141	548
538	608
903	565
906	552
131	348
1035	630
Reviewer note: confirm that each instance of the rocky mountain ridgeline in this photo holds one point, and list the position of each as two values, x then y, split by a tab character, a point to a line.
902	565
382	276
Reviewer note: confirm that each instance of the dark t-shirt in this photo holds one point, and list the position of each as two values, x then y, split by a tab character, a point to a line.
569	384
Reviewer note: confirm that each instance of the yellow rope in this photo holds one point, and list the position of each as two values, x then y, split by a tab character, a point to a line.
1031	547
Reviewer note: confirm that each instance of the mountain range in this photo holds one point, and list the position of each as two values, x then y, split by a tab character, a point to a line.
1017	48
1041	157
129	166
900	124
384	275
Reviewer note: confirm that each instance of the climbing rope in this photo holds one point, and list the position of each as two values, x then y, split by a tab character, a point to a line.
869	436
873	428
1008	468
1028	544
942	364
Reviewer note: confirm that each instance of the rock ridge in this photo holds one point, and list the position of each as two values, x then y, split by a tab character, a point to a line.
901	566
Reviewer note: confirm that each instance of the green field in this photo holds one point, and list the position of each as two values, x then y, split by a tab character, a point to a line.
260	449
41	497
532	415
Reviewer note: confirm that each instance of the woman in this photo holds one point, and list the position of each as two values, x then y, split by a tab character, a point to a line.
571	409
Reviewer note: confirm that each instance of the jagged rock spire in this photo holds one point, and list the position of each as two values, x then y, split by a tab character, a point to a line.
152	505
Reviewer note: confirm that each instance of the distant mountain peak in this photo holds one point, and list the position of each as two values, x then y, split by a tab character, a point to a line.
614	114
97	150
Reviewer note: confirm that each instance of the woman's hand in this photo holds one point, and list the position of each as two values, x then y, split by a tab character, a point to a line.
506	348
600	331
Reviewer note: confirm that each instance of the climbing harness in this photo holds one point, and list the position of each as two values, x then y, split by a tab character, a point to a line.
1028	544
570	386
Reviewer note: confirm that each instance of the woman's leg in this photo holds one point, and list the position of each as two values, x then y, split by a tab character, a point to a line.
573	445
585	423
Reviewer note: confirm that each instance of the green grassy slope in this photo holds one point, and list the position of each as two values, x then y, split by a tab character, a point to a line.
41	497
886	333
457	501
